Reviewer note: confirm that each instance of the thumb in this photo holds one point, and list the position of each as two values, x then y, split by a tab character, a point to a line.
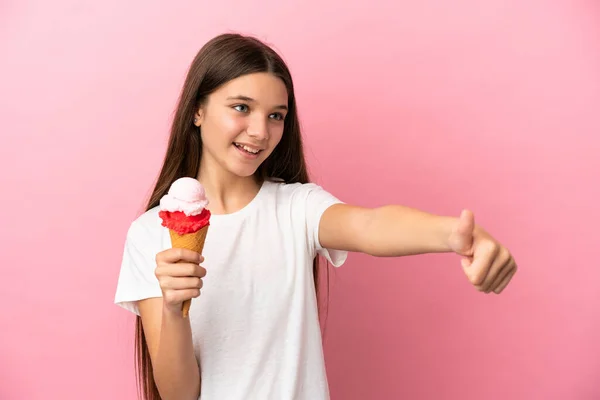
462	234
465	262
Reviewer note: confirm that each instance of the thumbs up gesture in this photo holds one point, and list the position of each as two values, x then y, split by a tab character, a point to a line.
489	266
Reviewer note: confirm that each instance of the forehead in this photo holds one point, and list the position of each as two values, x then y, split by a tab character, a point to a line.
263	87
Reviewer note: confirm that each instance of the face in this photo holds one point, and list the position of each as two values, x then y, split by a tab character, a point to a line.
242	123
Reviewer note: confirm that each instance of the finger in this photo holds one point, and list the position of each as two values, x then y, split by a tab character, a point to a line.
505	281
179	296
180	269
181	283
464	232
466	262
500	266
200	271
501	275
174	255
478	269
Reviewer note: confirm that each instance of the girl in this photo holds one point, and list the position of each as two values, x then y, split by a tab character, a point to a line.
254	332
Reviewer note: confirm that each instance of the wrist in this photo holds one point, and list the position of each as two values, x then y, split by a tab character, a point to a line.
172	311
445	228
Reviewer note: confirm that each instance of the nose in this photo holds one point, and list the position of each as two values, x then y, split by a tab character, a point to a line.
258	128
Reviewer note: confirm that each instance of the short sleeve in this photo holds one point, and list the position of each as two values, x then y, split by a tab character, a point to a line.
317	201
136	278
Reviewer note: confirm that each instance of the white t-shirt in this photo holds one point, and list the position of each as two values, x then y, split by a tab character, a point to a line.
255	326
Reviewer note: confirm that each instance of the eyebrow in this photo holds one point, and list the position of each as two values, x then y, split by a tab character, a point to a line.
251	100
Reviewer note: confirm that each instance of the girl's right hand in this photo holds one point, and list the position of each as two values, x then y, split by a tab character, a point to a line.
180	276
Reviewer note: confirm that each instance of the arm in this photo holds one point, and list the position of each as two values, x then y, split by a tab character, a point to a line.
388	231
169	339
394	230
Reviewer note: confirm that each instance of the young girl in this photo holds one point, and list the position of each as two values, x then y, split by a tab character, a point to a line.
254	331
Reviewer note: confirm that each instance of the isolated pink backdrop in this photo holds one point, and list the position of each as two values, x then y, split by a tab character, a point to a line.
492	106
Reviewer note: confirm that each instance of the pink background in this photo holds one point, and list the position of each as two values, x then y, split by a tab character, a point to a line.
490	105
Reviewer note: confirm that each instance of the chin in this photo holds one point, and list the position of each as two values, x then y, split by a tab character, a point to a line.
243	171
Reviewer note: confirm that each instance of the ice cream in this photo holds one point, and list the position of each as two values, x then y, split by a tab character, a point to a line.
183	211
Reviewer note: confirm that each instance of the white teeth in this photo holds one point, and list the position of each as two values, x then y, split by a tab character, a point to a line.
248	149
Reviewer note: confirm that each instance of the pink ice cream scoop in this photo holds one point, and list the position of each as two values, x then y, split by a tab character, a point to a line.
185	195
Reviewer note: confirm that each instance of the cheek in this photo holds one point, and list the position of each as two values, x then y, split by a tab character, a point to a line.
221	127
275	134
231	126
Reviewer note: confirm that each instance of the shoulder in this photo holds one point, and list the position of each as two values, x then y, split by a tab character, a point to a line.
147	228
293	192
303	200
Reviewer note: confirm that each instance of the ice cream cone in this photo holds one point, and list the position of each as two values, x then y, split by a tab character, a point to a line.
183	211
191	241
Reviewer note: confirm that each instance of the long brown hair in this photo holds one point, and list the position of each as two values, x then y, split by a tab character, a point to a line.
220	60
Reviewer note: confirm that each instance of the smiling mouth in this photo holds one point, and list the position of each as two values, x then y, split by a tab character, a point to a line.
247	149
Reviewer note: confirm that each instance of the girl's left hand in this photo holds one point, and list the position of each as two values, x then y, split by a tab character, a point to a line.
488	265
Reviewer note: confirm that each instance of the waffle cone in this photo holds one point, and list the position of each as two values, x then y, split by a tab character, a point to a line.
191	241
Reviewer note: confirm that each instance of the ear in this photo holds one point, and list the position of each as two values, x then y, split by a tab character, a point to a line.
199	117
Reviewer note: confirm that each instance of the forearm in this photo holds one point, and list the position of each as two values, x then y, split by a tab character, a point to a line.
396	230
176	371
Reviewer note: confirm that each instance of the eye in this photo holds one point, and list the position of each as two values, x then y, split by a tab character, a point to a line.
277	116
241	108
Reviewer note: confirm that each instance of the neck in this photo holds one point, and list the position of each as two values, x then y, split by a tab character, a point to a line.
226	192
